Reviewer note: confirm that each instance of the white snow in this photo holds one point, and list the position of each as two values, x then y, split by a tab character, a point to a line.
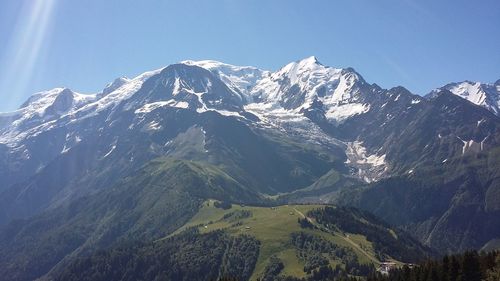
370	167
342	112
471	145
38	103
154	105
204	139
71	140
309	75
228	113
480	122
239	78
483	94
33	117
65	149
334	87
83	106
482	142
181	104
120	94
264	91
154	126
271	112
110	151
177	87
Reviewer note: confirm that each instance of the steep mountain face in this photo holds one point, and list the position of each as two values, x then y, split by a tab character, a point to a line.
37	114
185	86
485	95
307	86
307	133
443	169
86	151
300	84
412	131
28	149
450	207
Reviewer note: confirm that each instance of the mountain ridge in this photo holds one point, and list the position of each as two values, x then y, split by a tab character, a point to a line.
306	133
486	95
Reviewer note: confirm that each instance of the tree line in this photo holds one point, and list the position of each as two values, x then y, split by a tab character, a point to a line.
469	266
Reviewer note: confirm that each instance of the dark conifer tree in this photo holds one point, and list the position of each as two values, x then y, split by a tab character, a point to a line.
445	269
470	268
454	269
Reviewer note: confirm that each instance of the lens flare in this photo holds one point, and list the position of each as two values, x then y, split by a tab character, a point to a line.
29	37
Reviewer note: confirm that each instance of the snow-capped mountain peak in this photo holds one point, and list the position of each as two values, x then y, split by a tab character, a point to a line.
240	79
127	88
299	90
307	83
57	101
117	83
482	94
41	108
186	86
307	64
311	60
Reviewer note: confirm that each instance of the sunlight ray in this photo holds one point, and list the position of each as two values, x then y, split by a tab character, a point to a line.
25	46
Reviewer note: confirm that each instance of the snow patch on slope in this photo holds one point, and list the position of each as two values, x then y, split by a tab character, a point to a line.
292	123
147	108
369	167
342	112
113	147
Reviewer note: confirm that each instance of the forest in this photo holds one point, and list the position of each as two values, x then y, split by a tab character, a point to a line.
469	266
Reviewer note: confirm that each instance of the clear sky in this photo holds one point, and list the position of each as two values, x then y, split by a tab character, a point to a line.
83	45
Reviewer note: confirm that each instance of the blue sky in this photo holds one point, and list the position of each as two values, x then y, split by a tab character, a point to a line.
83	45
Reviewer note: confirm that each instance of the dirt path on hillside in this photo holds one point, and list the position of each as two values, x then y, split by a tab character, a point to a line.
347	239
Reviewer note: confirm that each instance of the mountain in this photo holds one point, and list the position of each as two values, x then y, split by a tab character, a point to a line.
241	79
485	95
137	161
450	207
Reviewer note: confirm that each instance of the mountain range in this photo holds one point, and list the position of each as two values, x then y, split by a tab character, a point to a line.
139	160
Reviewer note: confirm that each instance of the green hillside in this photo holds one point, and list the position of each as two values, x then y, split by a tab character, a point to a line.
278	230
288	242
167	201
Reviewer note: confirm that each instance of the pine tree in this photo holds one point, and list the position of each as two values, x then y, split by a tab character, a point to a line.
445	269
454	269
470	268
433	274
